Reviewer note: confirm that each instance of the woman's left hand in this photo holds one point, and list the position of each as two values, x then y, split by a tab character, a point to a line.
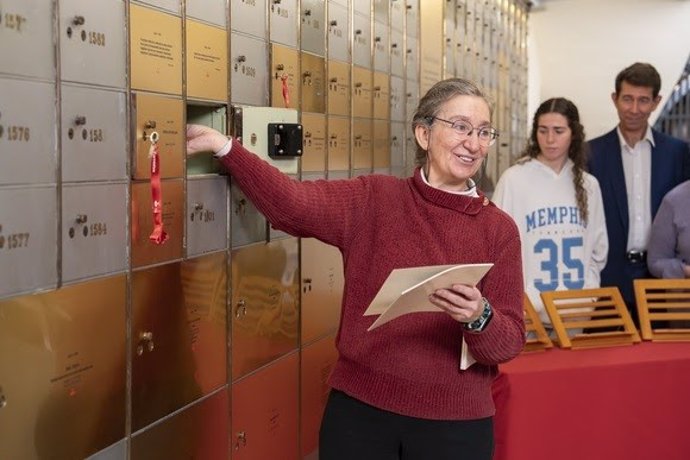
463	303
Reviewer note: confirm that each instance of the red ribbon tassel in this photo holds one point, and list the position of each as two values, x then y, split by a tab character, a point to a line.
286	90
158	235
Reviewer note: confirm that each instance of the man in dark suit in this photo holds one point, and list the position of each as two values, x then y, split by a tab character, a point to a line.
635	166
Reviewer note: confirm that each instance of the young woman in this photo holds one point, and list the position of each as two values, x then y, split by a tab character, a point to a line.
556	204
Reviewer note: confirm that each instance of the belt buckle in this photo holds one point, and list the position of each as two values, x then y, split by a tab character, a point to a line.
636	256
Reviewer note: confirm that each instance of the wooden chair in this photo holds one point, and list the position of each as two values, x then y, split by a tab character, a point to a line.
537	338
584	318
666	300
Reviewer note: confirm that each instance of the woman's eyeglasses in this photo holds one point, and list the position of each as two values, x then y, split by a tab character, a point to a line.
463	130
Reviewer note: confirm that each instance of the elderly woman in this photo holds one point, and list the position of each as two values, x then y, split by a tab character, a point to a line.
398	391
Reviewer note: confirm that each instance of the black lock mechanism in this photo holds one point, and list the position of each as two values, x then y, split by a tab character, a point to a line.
285	140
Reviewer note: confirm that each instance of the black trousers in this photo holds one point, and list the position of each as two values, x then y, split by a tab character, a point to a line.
353	430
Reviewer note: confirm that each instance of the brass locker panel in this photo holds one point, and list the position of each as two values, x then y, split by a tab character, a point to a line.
381	96
285	82
207	62
314	157
163	115
431	41
155	50
265	304
313	83
178	335
322	289
317	363
265	413
339	88
62	371
362	83
338	143
362	139
144	251
200	431
382	151
397	146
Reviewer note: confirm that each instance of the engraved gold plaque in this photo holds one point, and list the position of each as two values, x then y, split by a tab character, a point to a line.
265	303
314	142
207	62
382	144
265	413
339	88
62	371
338	144
382	96
285	77
164	116
144	251
155	50
317	363
362	132
361	92
322	289
313	84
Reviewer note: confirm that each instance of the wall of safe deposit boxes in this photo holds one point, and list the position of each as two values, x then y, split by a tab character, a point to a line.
218	342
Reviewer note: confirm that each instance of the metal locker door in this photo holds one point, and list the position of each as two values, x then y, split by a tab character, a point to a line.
213	11
362	82
170	5
362	142
339	88
285	77
249	77
397	105
93	42
247	224
27	132
282	22
361	41
338	143
94	230
313	84
207	215
381	96
338	32
250	18
397	50
382	48
27	30
412	58
397	146
313	28
207	62
314	157
381	146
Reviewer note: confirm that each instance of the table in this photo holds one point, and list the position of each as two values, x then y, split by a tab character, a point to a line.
627	403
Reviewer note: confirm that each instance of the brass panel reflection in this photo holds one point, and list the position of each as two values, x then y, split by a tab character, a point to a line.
265	413
62	371
198	432
178	335
317	363
285	77
382	96
338	144
382	144
145	251
322	288
314	128
362	136
265	303
163	115
339	88
207	62
361	92
313	83
155	50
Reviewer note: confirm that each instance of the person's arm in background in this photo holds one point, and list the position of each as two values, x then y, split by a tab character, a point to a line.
596	229
661	251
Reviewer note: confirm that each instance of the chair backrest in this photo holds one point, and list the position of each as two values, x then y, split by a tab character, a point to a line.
663	306
537	338
584	318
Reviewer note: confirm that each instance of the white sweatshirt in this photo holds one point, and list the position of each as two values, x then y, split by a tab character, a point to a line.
559	251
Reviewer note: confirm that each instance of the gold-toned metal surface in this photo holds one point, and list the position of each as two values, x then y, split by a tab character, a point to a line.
382	96
265	303
164	116
362	81
338	143
285	77
62	371
178	335
155	50
314	156
322	289
382	144
144	251
339	88
317	363
362	136
199	432
313	74
207	62
431	41
265	413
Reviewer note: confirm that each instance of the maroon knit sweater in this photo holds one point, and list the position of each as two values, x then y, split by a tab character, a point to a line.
409	366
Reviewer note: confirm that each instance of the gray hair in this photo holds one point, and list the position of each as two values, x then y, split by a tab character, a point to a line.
431	102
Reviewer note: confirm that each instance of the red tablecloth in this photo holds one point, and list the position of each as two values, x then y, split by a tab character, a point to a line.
618	403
